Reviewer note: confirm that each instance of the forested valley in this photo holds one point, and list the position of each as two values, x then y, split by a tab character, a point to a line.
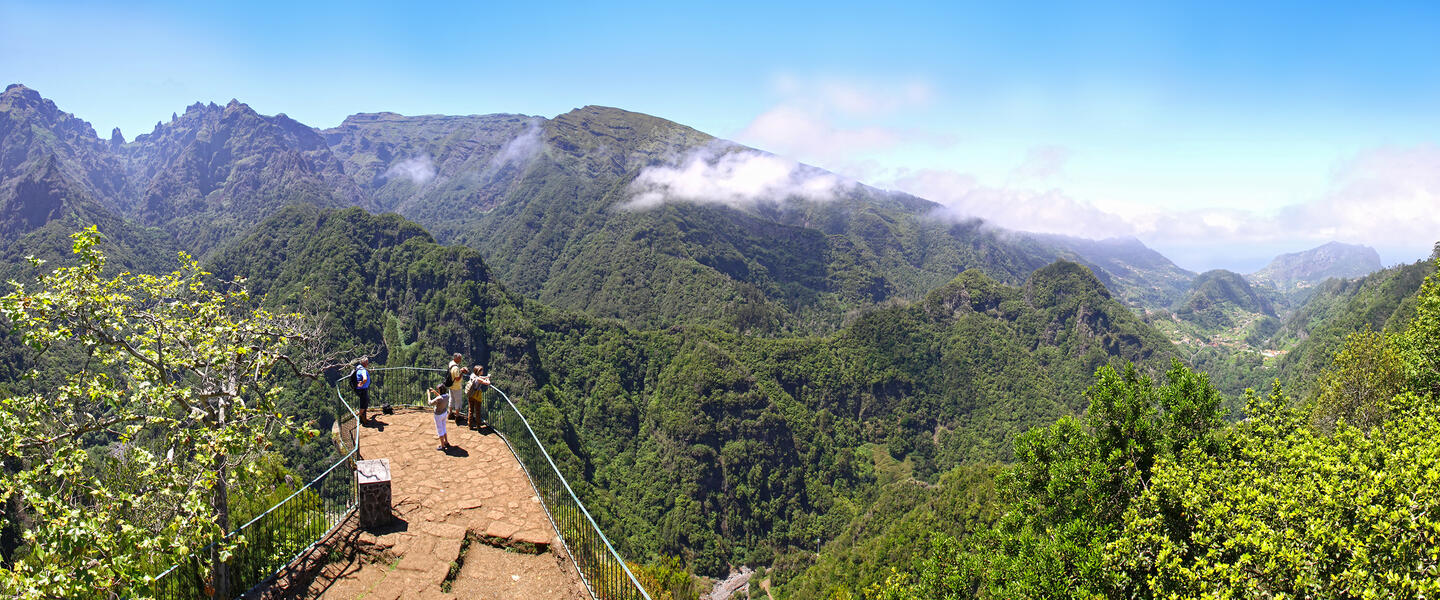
855	397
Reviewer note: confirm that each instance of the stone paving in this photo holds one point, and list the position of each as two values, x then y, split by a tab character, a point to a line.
477	487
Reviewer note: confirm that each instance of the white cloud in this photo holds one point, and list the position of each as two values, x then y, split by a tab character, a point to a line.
1041	211
521	149
419	169
1041	163
1384	197
1387	198
851	97
722	174
837	122
1378	197
797	131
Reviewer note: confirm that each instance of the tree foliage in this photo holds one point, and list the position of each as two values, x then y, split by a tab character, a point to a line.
1153	496
122	468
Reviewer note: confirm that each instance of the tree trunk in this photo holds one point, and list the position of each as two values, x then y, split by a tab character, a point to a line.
221	503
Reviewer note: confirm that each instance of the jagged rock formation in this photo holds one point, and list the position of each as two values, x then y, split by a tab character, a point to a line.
214	171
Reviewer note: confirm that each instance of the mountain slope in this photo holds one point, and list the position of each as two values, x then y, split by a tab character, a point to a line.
696	441
1382	301
214	171
1215	294
56	177
33	131
551	204
1295	271
1138	275
725	448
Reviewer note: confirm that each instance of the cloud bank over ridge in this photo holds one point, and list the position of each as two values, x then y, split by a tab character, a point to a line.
1388	198
732	176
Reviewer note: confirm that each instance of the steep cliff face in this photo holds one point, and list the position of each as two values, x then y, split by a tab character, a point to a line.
214	171
56	176
38	140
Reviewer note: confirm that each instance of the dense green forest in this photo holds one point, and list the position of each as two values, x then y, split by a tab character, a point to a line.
701	442
1152	493
863	398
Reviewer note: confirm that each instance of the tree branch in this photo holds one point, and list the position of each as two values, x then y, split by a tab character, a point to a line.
96	426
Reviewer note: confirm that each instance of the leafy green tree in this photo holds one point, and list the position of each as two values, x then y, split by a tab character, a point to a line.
124	468
1348	509
1287	511
1069	489
1367	373
1419	344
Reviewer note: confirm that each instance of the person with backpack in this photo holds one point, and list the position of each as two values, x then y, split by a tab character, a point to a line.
360	379
456	380
475	396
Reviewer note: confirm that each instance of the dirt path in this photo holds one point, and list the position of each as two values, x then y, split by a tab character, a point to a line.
476	491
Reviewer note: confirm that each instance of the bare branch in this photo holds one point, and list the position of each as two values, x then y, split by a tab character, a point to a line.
96	426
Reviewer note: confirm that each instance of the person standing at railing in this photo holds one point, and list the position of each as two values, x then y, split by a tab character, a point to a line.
457	382
439	399
361	379
475	396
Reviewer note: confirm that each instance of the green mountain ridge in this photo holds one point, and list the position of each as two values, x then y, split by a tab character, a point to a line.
544	200
1296	271
1214	290
1381	301
696	441
1139	275
724	383
553	223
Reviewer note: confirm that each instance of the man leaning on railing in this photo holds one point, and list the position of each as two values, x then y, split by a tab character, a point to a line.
475	395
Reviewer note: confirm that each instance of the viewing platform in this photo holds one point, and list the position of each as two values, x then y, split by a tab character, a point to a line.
475	491
396	517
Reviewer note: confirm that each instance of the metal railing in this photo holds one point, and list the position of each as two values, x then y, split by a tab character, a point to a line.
279	535
601	567
395	386
604	571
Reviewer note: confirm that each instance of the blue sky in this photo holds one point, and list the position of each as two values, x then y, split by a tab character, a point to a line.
1220	134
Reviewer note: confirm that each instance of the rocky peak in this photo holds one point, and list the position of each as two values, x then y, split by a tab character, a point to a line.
19	96
19	100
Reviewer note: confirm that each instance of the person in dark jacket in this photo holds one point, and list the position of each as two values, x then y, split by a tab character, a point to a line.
362	388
